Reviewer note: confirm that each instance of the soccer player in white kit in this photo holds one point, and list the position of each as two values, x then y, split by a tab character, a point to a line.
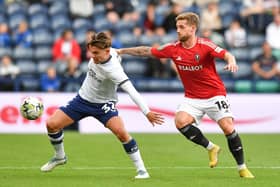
97	98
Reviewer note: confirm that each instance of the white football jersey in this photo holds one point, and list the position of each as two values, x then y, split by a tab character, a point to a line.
102	80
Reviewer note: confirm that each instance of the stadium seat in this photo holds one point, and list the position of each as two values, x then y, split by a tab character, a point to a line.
80	36
81	24
244	71
16	8
135	68
15	19
124	26
168	38
60	21
22	53
127	39
227	18
243	86
37	9
241	54
28	83
267	86
58	7
98	9
254	52
43	65
5	51
42	38
147	40
3	18
254	39
39	21
220	70
101	24
42	53
226	7
27	66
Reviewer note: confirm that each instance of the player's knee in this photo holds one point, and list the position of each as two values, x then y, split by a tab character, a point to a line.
123	136
181	122
53	125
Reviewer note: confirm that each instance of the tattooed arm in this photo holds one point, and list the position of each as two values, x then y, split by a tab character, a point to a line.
136	51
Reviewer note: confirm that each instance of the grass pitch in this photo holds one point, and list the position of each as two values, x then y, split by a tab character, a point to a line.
99	160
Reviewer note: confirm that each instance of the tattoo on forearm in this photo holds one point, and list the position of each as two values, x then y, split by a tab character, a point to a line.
138	51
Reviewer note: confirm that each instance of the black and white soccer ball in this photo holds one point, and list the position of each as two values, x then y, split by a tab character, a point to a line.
31	108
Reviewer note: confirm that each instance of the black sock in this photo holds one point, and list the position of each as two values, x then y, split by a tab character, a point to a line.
195	135
235	147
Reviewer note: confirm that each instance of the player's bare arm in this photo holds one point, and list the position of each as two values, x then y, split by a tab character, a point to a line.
231	63
136	51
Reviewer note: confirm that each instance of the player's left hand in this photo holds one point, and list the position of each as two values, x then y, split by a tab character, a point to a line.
155	118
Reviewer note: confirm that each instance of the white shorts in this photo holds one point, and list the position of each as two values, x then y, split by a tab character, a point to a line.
216	108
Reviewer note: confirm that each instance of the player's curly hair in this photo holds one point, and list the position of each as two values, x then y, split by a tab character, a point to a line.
100	40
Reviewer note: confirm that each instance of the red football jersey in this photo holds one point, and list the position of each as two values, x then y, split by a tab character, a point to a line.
196	67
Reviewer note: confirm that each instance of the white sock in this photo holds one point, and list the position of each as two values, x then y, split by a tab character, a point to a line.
137	161
59	150
210	146
242	166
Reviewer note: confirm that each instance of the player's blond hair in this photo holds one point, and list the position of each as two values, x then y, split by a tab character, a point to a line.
100	40
190	17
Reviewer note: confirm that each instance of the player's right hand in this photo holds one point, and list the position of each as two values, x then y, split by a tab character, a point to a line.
155	118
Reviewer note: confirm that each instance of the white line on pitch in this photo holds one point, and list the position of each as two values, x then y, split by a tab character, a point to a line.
129	168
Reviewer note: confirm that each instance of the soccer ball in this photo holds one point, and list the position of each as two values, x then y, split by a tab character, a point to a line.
31	108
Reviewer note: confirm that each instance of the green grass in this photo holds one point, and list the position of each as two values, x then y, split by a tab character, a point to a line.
99	160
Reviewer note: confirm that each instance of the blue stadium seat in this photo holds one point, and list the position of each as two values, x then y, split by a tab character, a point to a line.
147	40
244	71
16	8
39	21
80	36
124	26
227	18
42	53
99	9
43	65
5	51
58	7
28	83
134	68
81	24
220	70
15	19
60	21
254	39
22	53
127	39
101	24
42	38
3	18
37	9
254	52
27	66
241	54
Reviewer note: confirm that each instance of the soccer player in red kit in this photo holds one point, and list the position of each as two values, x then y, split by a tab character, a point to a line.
205	92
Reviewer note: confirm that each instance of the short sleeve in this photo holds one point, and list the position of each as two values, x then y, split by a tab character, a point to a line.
164	51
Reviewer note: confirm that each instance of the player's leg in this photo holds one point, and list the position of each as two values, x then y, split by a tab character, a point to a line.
55	124
115	124
185	117
235	146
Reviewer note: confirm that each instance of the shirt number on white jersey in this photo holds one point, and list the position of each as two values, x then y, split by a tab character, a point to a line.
110	106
